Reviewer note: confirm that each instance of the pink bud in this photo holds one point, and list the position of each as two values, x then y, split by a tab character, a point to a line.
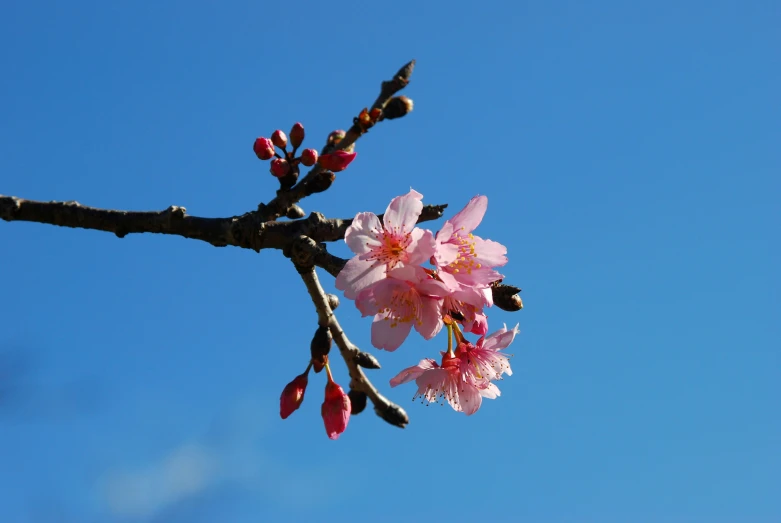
263	148
297	134
308	157
337	161
279	139
279	167
335	410
292	396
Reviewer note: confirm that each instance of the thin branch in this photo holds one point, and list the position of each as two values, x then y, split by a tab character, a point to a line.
384	408
285	198
246	231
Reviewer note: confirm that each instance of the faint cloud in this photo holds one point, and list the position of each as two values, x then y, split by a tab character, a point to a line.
187	471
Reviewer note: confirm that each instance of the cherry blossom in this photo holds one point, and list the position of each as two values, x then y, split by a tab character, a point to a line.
383	246
407	298
463	259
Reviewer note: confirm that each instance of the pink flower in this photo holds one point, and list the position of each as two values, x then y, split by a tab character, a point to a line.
483	363
335	409
263	148
466	260
292	396
308	157
407	297
381	247
442	382
337	160
465	377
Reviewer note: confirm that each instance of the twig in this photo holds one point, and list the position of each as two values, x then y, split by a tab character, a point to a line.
285	198
384	408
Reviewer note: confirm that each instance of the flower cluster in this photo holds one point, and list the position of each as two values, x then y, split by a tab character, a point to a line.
285	165
388	280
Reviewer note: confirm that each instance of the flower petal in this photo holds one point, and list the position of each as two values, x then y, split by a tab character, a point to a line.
387	334
470	216
422	247
403	212
470	398
358	274
412	373
361	234
430	318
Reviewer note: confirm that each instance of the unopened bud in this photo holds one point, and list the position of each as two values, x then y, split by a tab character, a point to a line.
279	139
336	136
366	360
337	160
294	212
397	107
292	396
320	347
263	148
394	415
506	297
297	134
357	401
279	167
335	410
333	301
308	157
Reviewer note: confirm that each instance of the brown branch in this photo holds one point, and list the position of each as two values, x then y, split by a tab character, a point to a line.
312	182
246	231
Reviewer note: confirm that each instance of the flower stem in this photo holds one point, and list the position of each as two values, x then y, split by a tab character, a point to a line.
450	339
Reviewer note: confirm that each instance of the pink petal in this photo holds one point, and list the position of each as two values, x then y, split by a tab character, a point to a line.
446	252
403	212
491	392
500	339
431	318
360	236
412	373
470	216
490	253
422	246
386	336
358	274
470	399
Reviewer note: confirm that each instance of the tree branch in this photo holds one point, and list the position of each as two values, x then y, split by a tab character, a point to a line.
384	408
278	206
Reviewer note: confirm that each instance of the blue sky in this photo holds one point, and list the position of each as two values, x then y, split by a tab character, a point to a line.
630	155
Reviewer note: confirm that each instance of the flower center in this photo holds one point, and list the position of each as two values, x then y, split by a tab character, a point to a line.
465	259
403	307
392	249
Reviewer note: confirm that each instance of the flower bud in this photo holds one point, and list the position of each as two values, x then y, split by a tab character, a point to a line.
297	134
320	347
357	401
337	160
336	136
292	396
294	212
506	297
333	301
279	167
263	148
397	107
308	157
279	139
335	410
366	360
